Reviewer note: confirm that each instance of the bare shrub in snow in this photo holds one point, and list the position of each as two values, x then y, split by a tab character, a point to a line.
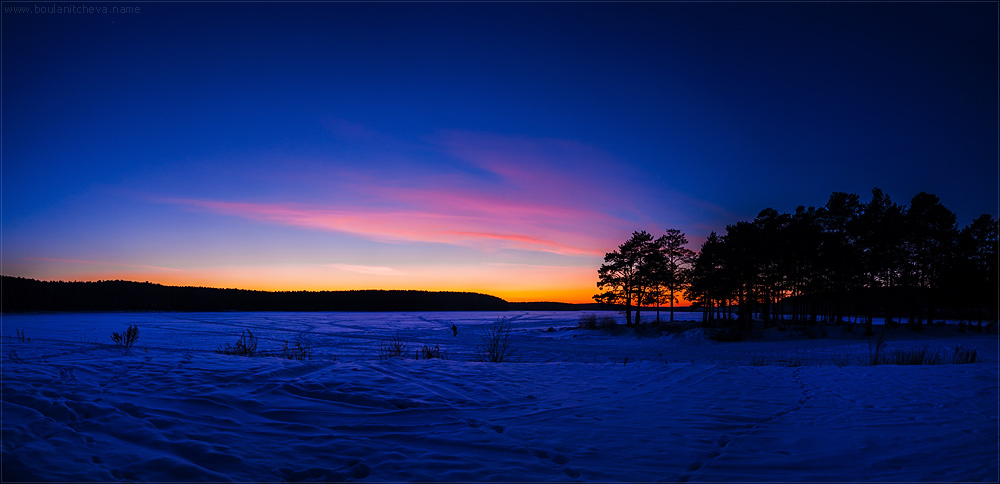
428	353
21	337
759	359
246	346
391	348
496	342
876	350
606	322
127	338
592	321
962	355
300	349
925	356
879	355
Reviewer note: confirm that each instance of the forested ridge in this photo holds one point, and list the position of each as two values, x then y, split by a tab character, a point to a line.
847	258
22	295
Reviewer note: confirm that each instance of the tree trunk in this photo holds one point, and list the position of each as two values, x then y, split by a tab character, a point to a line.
628	310
671	306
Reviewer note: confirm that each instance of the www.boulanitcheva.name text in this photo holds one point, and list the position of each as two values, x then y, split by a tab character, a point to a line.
84	9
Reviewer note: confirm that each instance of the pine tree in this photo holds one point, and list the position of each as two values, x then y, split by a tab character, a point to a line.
672	267
931	240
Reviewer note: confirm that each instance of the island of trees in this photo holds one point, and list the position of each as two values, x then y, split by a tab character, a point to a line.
845	259
18	294
21	295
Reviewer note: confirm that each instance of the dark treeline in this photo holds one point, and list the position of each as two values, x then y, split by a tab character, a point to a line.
847	258
23	295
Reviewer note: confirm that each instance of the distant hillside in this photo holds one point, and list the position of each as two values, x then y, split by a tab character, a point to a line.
18	294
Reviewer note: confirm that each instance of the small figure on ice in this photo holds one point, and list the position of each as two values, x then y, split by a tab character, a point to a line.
454	329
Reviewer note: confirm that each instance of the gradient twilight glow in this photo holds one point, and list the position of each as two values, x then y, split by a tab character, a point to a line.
489	147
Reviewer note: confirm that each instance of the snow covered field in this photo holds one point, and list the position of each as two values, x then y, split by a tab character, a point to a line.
681	408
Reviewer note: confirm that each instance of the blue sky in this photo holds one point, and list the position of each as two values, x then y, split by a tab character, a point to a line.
500	148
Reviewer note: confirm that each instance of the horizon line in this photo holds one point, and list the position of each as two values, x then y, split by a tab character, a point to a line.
297	290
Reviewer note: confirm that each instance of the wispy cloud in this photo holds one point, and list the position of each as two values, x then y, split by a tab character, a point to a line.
550	171
103	263
368	270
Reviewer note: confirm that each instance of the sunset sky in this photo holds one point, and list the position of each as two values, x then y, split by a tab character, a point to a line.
488	147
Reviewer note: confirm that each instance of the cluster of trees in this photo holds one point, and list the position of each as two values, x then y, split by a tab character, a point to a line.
846	258
646	271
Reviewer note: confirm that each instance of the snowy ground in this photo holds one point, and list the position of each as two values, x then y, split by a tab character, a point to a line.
681	409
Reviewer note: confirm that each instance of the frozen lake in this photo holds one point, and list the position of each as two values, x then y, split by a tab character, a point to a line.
76	408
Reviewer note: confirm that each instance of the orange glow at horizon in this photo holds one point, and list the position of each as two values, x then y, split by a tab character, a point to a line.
568	291
513	283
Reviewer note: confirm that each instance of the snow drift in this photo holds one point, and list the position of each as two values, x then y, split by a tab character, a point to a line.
580	405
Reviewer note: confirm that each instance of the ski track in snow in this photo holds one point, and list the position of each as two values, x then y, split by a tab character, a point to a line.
681	409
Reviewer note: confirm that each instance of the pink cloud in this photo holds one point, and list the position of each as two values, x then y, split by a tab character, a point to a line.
543	195
461	200
473	227
528	243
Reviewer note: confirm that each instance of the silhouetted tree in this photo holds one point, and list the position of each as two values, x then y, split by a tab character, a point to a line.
803	235
931	240
709	285
770	229
625	275
743	259
838	251
648	259
656	293
671	268
881	239
977	263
